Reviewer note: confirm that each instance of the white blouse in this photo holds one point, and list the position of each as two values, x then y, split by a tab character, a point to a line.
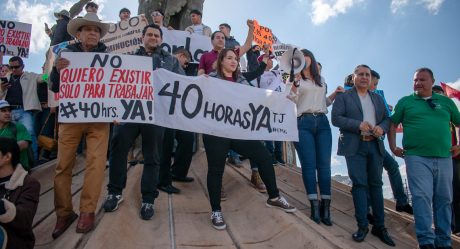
309	97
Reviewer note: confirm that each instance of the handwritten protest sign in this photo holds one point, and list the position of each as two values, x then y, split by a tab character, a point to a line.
217	107
15	38
196	44
99	87
263	35
125	37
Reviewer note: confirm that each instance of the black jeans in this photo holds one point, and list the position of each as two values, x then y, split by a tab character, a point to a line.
122	139
182	157
216	153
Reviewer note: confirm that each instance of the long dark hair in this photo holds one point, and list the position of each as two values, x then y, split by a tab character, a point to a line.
219	60
313	68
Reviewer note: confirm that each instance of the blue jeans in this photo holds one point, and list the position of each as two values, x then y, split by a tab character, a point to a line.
26	118
430	183
365	171
314	150
392	168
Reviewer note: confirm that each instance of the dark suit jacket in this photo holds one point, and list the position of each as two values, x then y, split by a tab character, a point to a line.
347	115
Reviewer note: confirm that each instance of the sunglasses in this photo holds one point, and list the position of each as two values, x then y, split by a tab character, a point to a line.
156	14
15	67
431	104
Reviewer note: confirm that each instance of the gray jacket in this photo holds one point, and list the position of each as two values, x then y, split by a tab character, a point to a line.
347	115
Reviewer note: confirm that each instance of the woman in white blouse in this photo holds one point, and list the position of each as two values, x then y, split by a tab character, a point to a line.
315	138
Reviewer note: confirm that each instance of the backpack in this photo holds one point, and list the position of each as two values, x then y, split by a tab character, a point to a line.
30	151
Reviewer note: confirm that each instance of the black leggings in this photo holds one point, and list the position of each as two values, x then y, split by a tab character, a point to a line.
216	153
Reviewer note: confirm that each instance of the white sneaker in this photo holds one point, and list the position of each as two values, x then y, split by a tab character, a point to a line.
217	220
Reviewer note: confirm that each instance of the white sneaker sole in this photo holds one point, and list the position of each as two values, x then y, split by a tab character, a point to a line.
220	227
116	207
292	210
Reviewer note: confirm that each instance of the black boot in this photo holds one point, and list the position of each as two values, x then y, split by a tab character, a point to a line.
314	205
325	212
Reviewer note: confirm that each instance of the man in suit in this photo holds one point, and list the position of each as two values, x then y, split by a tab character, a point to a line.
362	119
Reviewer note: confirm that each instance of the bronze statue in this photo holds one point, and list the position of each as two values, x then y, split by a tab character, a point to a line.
77	8
177	12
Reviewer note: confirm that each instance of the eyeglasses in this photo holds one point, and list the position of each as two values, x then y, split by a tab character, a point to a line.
431	104
15	67
156	13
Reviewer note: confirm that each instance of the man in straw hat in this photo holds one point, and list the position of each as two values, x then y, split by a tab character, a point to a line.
88	30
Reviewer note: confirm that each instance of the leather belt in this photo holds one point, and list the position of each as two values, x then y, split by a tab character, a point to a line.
314	114
367	138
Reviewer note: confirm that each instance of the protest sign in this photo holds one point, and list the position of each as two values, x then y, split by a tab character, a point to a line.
99	87
125	37
279	49
262	35
51	55
196	44
222	108
15	38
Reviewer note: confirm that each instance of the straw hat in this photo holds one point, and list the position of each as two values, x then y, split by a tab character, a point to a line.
90	19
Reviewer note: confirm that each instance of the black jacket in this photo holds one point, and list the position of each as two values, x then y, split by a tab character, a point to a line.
60	34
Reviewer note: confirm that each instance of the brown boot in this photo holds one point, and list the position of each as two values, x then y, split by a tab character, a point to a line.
62	223
85	223
257	182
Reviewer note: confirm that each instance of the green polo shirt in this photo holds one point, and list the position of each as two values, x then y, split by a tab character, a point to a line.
426	129
22	135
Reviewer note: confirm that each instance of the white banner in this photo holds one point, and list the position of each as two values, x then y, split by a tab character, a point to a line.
99	87
194	43
125	37
222	108
15	38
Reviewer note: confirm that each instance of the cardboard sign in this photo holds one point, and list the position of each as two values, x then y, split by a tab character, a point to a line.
99	87
262	35
125	37
196	44
15	38
222	108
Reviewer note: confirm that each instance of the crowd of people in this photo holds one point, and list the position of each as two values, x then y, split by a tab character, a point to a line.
359	110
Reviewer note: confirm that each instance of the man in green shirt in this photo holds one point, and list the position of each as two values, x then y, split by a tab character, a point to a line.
427	151
16	131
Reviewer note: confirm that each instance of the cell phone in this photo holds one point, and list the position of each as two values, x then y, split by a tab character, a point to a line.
4	80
